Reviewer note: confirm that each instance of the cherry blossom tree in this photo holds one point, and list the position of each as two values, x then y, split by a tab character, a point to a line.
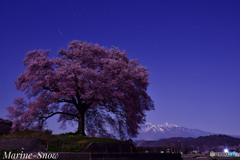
96	87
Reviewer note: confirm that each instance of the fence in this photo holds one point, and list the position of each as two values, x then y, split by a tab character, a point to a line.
118	156
121	149
158	150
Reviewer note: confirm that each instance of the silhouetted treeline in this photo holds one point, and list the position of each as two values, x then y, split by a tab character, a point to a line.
202	143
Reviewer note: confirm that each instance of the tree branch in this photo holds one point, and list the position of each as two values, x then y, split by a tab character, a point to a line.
59	113
64	100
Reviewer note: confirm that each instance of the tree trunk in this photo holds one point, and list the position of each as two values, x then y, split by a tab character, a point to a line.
81	125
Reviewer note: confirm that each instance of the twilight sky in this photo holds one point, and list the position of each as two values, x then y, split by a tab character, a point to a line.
190	47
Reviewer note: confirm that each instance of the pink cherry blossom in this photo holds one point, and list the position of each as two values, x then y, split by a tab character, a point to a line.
87	84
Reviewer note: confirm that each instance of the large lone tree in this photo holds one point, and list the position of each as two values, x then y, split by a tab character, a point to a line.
96	87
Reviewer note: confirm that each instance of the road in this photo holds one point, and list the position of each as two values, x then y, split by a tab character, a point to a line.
201	157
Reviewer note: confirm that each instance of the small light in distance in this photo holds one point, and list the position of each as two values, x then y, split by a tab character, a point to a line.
226	150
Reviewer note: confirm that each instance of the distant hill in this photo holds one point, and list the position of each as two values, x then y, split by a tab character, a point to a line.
202	143
5	126
151	131
165	142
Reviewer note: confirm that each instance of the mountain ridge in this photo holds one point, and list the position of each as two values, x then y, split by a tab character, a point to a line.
150	131
202	143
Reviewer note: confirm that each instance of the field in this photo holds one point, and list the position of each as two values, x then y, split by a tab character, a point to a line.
68	142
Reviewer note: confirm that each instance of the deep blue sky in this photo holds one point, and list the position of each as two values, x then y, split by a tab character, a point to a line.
191	48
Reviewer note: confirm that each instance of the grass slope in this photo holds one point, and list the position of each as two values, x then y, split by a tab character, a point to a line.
68	142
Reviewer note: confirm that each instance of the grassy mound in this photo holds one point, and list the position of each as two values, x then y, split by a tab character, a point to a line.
68	142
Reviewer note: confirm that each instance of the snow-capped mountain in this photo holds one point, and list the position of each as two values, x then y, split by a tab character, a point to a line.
151	131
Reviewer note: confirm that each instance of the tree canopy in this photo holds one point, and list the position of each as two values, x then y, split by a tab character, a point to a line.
93	86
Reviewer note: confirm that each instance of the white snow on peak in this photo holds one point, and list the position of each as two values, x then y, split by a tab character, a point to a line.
156	128
170	125
166	124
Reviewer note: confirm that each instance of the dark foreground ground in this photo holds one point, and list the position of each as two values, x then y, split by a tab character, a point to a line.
194	157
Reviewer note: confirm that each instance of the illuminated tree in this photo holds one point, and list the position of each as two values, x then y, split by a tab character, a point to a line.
96	87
